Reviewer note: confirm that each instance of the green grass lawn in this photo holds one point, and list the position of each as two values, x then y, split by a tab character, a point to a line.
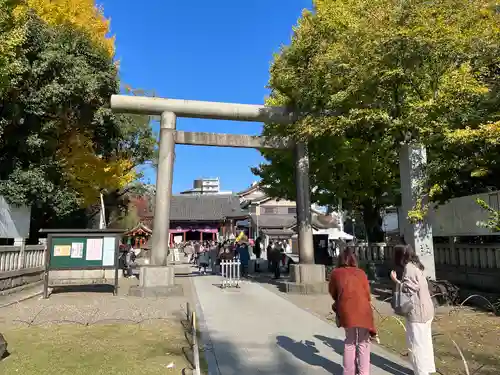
113	349
475	333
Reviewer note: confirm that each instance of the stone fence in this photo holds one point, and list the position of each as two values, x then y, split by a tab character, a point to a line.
473	266
21	265
467	265
375	252
470	266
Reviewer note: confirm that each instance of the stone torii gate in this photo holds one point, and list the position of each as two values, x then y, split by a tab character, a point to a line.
305	277
158	278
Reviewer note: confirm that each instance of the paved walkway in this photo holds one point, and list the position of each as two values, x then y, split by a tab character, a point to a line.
252	331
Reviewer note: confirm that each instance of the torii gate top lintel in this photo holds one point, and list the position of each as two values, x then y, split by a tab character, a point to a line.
201	109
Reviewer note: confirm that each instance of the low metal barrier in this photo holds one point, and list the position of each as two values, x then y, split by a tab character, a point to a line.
230	271
191	318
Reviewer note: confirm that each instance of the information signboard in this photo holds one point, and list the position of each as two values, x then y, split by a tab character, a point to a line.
81	249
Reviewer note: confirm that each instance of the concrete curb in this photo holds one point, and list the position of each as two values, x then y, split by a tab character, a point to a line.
209	349
22	299
21	288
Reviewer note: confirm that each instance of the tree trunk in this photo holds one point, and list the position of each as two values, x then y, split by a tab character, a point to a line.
373	223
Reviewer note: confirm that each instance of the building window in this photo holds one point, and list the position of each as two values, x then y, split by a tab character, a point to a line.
269	210
292	210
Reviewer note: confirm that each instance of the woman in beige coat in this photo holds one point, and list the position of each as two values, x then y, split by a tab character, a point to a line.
419	319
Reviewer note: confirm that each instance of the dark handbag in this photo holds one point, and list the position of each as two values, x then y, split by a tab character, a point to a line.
402	303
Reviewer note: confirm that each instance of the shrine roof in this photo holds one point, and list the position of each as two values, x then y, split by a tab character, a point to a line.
140	228
275	221
205	207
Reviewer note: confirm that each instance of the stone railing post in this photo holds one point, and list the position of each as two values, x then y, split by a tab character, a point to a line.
43	241
21	242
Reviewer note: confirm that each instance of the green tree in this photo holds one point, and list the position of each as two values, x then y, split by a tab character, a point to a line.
11	36
368	75
62	87
493	221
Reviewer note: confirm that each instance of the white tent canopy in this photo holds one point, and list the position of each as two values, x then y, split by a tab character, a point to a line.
335	234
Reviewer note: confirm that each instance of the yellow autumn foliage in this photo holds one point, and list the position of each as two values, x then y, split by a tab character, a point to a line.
486	133
84	14
88	173
11	36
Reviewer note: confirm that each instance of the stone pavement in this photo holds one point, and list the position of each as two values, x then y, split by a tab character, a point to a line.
251	330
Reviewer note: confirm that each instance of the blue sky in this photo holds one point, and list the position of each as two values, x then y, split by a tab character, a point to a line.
217	50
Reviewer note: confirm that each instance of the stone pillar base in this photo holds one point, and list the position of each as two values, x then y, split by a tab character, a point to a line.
306	279
156	281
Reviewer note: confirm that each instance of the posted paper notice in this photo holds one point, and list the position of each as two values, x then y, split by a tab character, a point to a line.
94	249
77	250
108	256
62	250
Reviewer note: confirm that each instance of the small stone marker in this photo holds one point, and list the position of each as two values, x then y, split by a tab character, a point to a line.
3	347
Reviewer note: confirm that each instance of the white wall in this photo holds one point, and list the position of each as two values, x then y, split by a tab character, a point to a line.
14	221
458	217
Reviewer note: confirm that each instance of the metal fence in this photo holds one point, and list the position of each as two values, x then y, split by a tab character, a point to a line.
230	271
192	328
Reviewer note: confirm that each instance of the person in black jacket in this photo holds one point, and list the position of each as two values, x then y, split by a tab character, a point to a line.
257	250
269	251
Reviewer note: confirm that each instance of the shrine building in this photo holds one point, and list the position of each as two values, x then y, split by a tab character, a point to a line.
195	217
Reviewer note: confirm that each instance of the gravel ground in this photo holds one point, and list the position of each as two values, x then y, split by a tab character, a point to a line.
87	307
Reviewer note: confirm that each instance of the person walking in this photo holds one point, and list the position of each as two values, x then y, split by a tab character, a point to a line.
196	252
421	312
350	291
269	257
203	261
257	250
213	256
244	255
189	251
275	262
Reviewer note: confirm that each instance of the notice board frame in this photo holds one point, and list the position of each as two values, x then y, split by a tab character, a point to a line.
80	234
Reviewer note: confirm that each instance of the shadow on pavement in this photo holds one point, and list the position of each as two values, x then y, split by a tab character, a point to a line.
229	362
268	278
307	352
376	360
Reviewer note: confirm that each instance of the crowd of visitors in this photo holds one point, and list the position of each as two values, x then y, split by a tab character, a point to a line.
210	254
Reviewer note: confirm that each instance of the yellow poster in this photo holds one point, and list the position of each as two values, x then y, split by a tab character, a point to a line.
62	250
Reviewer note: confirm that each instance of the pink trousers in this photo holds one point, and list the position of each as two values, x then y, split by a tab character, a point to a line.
360	338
